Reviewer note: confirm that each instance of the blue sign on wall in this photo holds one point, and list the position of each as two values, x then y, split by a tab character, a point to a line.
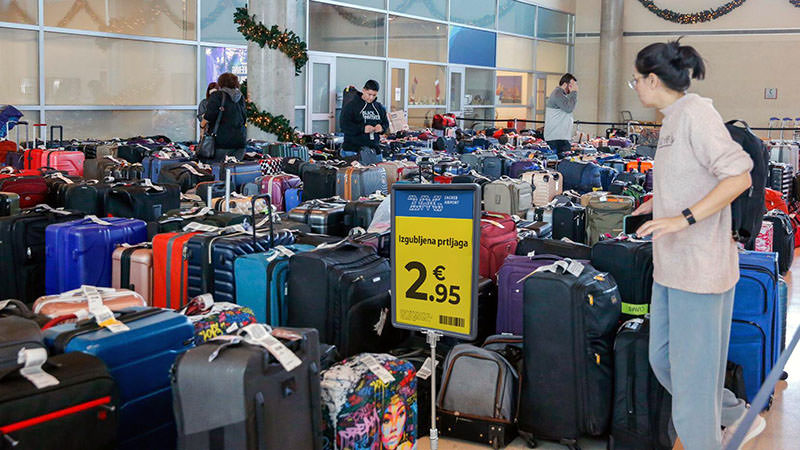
473	47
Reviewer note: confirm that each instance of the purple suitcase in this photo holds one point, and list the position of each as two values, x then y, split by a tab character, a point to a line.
79	252
648	181
510	289
519	167
15	160
276	186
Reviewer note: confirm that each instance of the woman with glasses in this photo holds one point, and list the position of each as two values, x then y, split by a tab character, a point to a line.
699	170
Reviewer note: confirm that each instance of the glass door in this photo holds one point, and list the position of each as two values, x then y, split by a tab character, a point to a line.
540	98
321	94
455	101
398	81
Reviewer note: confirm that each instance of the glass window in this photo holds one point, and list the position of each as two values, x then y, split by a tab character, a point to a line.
20	11
515	52
551	57
214	61
300	88
479	113
300	24
30	116
346	30
426	84
19	77
473	47
435	9
216	21
512	113
178	125
516	17
554	26
83	70
378	4
300	119
514	88
173	19
421	117
479	85
353	71
479	13
417	39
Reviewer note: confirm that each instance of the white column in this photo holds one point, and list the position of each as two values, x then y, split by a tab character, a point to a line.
610	81
270	73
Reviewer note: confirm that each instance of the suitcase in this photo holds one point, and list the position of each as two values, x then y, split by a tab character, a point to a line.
276	186
261	282
607	176
508	196
293	166
258	404
292	198
569	221
288	150
604	216
642	408
79	252
477	400
568	348
324	216
398	171
132	269
67	161
178	219
352	183
639	166
510	281
142	201
186	175
782	238
630	262
562	248
764	240
350	294
153	165
781	178
212	319
9	203
140	360
32	190
88	197
319	181
495	167
580	176
169	269
23	254
241	172
271	166
110	166
541	229
757	318
517	168
18	330
632	178
785	152
57	184
546	185
69	303
78	413
351	393
359	213
498	239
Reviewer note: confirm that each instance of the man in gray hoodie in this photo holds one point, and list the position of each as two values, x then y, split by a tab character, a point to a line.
558	118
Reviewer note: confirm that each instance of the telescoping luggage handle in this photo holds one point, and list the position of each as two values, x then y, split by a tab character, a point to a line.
17	126
269	214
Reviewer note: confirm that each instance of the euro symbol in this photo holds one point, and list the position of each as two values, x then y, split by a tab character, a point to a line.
437	272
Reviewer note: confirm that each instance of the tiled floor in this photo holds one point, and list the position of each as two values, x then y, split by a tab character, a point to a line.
783	419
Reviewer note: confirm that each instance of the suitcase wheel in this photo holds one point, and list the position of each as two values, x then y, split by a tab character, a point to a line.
784	375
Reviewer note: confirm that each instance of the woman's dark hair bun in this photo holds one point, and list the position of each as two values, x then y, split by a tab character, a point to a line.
671	62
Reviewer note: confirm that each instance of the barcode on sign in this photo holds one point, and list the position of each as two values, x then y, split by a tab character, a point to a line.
451	321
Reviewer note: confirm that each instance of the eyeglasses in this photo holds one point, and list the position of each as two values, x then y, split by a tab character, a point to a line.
633	82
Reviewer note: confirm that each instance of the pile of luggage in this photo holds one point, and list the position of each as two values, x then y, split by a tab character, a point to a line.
159	302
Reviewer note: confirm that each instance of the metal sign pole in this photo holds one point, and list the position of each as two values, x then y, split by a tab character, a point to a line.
433	338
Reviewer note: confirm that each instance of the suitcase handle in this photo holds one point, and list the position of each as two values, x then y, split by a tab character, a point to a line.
60	134
269	212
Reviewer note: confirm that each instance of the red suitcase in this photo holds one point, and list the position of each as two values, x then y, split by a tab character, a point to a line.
170	270
70	162
32	190
498	240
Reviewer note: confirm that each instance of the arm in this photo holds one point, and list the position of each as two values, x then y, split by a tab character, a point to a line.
564	102
351	125
212	108
384	119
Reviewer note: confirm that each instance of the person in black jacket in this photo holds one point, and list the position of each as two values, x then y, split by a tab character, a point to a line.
363	120
232	134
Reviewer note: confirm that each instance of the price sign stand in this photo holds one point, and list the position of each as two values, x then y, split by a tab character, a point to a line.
435	257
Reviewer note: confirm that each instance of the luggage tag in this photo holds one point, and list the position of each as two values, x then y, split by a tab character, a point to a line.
192	169
61	177
259	334
48	208
149	184
425	371
195	226
101	313
97	220
378	327
33	360
375	367
115	160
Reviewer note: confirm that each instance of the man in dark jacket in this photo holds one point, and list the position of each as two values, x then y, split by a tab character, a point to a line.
363	120
232	134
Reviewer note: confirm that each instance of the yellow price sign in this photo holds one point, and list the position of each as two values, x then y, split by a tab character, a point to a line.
435	258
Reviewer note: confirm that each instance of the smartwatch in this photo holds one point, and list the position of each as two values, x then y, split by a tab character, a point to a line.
687	213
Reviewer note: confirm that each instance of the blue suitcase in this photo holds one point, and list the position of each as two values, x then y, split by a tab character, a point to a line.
607	176
140	361
580	176
757	319
153	166
241	173
261	282
292	198
492	167
79	252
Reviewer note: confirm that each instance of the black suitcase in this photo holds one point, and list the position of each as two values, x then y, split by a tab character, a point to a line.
9	203
139	201
175	220
642	407
781	178
539	229
257	404
569	221
294	166
348	296
569	326
556	247
359	213
79	413
216	188
630	262
782	238
319	181
18	330
324	216
88	197
56	188
22	251
632	178
186	175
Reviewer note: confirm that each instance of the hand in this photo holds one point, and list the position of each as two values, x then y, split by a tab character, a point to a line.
203	123
644	208
662	227
369	129
573	86
378	128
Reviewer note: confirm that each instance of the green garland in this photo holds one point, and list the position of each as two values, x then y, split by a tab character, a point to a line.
690	18
292	46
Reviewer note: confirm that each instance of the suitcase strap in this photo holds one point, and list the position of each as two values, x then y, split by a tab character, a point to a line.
88	326
125	268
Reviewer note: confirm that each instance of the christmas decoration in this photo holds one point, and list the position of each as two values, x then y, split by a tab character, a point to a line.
690	18
280	126
796	3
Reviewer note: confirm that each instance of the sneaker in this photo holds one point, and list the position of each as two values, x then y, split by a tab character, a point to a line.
755	429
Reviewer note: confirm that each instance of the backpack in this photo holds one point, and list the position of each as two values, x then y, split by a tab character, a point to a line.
349	94
747	210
